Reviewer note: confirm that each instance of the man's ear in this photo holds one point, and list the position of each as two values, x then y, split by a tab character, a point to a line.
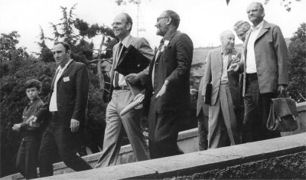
129	26
263	14
169	21
68	52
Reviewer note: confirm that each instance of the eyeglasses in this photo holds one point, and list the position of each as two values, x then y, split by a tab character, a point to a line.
163	17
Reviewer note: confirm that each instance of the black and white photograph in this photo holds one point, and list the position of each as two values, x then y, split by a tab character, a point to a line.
152	89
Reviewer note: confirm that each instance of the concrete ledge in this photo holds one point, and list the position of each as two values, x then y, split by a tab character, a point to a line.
190	163
187	141
301	107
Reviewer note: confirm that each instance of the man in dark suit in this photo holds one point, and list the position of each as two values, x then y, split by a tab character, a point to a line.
169	74
265	72
67	105
168	86
222	123
121	97
202	116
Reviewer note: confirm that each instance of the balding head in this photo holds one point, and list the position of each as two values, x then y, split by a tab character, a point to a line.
256	12
122	25
227	38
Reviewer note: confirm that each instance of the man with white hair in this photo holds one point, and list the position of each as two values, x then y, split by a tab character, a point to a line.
222	118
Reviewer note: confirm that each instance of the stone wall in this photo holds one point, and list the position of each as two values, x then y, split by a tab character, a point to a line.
188	142
290	166
282	157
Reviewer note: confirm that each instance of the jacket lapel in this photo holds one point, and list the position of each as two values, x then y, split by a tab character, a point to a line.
53	80
166	38
66	71
264	29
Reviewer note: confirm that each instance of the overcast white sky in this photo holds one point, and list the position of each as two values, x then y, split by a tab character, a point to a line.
202	20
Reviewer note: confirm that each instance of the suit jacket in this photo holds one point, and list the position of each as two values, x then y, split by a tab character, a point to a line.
72	94
271	55
213	73
140	44
172	64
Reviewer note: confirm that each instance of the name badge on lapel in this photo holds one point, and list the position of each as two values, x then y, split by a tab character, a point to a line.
66	79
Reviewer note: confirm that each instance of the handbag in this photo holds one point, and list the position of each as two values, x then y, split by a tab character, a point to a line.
283	115
208	94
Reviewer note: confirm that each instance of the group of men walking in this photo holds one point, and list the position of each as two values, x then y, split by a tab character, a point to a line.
167	92
263	68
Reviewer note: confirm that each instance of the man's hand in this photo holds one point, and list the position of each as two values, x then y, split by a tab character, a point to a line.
233	67
132	78
74	125
163	89
281	89
16	127
31	121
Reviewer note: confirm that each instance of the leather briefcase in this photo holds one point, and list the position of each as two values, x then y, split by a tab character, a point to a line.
283	115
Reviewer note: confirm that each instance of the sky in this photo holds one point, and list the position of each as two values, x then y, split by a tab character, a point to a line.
202	20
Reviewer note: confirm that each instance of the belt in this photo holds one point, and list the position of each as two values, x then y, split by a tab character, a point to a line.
122	88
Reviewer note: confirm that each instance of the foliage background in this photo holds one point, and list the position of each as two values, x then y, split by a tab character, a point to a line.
16	66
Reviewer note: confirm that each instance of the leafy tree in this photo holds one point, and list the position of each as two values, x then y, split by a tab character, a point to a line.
16	67
8	49
297	67
45	54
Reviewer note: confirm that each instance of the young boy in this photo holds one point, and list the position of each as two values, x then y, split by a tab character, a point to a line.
26	161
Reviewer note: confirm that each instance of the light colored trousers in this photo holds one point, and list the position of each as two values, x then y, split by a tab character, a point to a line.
222	120
113	135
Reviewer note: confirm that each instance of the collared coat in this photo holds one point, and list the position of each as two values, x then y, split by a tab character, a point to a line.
271	56
213	73
72	94
172	63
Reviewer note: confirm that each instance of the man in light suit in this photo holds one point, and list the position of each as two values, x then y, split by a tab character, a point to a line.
222	118
121	97
67	105
265	73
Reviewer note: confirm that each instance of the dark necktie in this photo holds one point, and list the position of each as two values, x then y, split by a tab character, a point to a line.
155	59
116	78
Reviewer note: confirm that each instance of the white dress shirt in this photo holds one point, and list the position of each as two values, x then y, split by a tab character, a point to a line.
53	101
224	78
250	57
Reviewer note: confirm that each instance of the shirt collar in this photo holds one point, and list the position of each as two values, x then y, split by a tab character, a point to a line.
60	68
259	26
126	40
169	35
34	101
226	52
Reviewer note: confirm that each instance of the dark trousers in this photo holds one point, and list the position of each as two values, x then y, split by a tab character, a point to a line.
59	140
257	108
163	131
203	129
26	161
